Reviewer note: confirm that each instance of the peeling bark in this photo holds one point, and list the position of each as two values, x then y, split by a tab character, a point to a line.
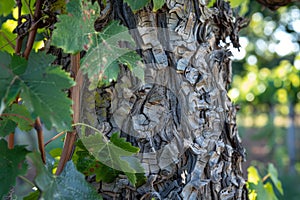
181	117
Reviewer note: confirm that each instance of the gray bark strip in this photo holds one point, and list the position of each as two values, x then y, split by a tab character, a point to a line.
181	117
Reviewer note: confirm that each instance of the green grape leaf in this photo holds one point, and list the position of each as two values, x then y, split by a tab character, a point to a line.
70	184
116	154
73	30
274	177
107	152
158	4
6	7
42	93
105	53
88	165
12	164
40	86
136	5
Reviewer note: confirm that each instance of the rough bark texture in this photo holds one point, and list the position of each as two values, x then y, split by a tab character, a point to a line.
181	117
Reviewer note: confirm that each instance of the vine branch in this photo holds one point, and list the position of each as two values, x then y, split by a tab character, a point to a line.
75	95
32	33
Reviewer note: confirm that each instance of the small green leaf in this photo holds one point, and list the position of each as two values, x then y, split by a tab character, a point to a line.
158	4
104	55
73	30
274	177
89	165
33	196
121	142
136	5
106	152
12	164
115	153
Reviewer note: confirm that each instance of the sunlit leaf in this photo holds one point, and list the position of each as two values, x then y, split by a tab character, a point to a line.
257	188
7	37
270	194
253	176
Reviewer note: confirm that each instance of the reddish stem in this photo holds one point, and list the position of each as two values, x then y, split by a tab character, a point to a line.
39	130
11	140
54	138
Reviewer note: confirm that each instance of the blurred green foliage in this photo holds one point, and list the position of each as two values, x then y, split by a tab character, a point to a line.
267	69
266	85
